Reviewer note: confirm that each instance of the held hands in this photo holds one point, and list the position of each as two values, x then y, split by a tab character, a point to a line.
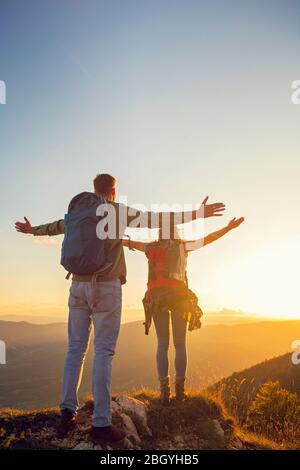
23	227
210	210
234	223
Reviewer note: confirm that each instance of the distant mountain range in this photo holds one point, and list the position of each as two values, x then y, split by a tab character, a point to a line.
35	355
225	316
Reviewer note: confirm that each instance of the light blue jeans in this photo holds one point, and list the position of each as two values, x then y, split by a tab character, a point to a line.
162	327
99	304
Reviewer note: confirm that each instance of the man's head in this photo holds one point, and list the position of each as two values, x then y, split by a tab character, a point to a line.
105	185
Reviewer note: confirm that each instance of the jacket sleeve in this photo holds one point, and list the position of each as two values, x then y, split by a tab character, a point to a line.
53	228
145	219
131	217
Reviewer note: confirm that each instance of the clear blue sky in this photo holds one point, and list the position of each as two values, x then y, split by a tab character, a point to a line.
177	99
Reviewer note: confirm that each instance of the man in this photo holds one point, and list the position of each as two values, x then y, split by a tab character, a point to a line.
106	296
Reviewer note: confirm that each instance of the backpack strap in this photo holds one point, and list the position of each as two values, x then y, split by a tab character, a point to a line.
68	275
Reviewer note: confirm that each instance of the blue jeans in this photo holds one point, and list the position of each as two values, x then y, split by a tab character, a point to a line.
162	327
101	305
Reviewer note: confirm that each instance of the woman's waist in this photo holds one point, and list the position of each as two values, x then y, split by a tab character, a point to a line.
165	282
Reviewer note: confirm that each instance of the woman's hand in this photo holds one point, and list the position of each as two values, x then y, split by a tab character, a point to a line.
234	223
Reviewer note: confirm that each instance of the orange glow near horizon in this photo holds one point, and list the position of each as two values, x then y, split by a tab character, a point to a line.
263	283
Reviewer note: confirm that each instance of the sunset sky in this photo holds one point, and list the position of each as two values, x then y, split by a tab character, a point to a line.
176	99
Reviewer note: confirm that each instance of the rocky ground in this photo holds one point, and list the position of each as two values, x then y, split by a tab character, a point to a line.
197	423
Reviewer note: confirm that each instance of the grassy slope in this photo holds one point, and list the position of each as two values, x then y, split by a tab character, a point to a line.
188	425
238	391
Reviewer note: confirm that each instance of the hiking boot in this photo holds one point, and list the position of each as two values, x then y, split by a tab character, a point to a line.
106	433
165	391
67	423
179	389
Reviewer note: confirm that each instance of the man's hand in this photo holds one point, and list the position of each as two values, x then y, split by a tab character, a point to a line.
23	227
234	223
210	210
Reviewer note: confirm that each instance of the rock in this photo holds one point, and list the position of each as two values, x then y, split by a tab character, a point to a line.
218	428
127	444
97	447
115	407
136	407
65	443
237	443
131	430
84	446
179	442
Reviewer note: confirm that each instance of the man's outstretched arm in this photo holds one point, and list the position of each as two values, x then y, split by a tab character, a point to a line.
51	229
149	219
141	219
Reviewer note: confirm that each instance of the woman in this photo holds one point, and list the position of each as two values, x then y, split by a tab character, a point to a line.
168	296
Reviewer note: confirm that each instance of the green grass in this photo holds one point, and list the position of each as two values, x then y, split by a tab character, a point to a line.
186	425
192	419
18	426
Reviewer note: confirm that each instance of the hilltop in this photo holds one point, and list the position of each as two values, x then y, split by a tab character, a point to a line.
198	423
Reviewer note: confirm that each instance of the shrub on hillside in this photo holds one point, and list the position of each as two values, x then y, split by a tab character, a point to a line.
275	412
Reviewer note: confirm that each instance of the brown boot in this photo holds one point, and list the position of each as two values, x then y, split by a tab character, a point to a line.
165	391
67	423
179	389
107	434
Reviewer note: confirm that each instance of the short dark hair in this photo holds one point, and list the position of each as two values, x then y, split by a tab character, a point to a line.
104	183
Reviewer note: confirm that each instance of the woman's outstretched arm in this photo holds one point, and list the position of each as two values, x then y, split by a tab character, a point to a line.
212	237
134	245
